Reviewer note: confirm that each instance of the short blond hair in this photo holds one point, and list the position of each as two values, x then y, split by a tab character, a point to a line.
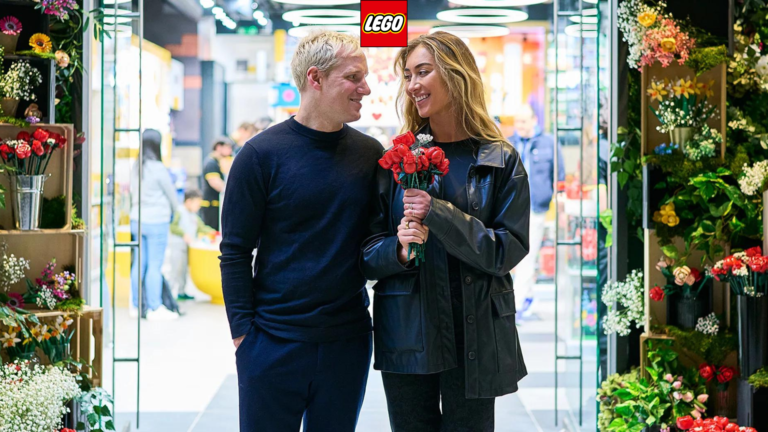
324	50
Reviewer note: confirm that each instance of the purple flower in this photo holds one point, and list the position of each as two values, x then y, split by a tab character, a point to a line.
33	120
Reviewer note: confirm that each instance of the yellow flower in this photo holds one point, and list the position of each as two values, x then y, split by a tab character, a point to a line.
657	216
673	220
684	88
40	43
657	91
668	45
647	18
9	340
706	89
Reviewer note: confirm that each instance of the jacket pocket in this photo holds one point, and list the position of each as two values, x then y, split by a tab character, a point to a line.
397	314
505	331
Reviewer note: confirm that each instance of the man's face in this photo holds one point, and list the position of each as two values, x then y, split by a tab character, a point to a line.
525	123
224	150
344	88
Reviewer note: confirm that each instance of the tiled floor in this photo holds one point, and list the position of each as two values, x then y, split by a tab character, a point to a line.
188	381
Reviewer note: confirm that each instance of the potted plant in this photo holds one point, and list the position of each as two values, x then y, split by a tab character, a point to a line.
681	107
687	299
26	159
746	274
18	84
10	29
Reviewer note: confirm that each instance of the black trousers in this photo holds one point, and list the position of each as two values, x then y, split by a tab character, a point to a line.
414	401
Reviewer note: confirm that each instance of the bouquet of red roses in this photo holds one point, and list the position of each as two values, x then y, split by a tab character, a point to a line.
30	154
714	424
414	165
747	272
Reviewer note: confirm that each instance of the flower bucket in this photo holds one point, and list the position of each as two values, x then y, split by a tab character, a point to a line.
31	356
9	106
9	42
684	312
27	200
681	135
723	402
753	333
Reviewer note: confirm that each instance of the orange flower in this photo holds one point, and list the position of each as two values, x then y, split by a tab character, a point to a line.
40	43
647	18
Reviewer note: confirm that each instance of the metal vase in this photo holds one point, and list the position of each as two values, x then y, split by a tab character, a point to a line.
9	42
27	200
753	333
681	135
9	106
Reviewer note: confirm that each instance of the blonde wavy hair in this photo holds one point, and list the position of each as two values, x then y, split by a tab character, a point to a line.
323	49
458	69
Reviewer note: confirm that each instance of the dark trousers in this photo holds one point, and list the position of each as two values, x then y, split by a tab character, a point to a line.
282	382
413	402
210	216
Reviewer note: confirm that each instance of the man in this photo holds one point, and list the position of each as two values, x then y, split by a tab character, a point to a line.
215	168
244	132
300	192
537	151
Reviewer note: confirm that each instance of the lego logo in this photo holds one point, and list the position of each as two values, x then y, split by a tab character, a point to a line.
384	23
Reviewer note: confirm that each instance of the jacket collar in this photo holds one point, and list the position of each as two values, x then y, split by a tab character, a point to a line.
489	153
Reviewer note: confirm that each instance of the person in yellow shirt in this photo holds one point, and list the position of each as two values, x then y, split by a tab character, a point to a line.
215	169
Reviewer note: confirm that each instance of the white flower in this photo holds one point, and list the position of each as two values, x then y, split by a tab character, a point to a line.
12	270
19	81
708	325
762	66
628	294
753	178
424	138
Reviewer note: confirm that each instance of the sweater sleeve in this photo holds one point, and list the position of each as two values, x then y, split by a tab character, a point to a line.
241	221
202	228
175	228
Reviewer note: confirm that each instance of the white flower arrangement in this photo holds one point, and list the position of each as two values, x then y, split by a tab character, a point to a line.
12	270
739	121
753	179
33	397
703	144
628	294
20	80
631	28
424	139
709	325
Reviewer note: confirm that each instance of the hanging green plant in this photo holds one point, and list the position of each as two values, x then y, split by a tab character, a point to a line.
760	378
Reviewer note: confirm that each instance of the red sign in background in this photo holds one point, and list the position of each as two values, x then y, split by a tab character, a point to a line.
383	39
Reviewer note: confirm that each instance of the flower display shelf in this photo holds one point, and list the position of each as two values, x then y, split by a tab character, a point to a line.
32	20
651	137
752	406
46	91
59	183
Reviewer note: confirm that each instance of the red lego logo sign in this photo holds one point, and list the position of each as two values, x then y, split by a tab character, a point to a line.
383	23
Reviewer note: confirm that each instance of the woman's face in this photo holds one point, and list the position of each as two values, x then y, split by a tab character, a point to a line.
425	85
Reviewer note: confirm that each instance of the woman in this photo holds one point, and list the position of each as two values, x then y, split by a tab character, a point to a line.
445	330
158	202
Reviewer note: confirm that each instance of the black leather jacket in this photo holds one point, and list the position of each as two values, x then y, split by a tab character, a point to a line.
412	316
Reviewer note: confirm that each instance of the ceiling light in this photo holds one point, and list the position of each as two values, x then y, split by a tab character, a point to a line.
207	3
473	31
586	19
262	21
302	31
230	25
323	16
258	14
582	30
217	10
482	16
318	2
496	3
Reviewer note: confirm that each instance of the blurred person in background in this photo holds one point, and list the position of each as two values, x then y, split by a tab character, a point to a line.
537	151
215	168
244	132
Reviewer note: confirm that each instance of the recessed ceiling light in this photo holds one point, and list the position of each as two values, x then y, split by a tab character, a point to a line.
207	3
217	10
482	16
323	16
496	3
319	2
582	30
473	31
262	21
302	31
258	14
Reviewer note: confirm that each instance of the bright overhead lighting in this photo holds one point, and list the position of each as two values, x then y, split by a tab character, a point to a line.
207	3
473	31
496	3
482	16
318	2
262	21
582	30
302	31
258	14
585	20
230	25
217	10
323	16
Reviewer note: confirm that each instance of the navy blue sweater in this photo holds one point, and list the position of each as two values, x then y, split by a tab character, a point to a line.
302	197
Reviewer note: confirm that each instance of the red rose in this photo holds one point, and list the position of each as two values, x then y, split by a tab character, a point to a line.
385	163
406	139
732	263
750	429
423	163
397	177
443	167
758	264
706	371
754	252
5	151
721	422
657	294
724	374
41	134
402	151
409	167
435	155
731	427
696	274
684	423
23	135
23	151
37	147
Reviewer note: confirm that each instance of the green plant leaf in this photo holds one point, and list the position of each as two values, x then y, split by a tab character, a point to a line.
623	177
105	411
109	425
671	251
624	394
93	419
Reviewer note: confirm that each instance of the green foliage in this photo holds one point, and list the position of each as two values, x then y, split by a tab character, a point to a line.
55	214
704	59
759	379
626	162
14	121
608	399
94	404
711	348
31	53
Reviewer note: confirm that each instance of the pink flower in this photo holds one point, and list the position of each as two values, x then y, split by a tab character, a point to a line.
15	301
10	26
669	377
696	414
702	398
677	395
688	397
677	385
664	43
